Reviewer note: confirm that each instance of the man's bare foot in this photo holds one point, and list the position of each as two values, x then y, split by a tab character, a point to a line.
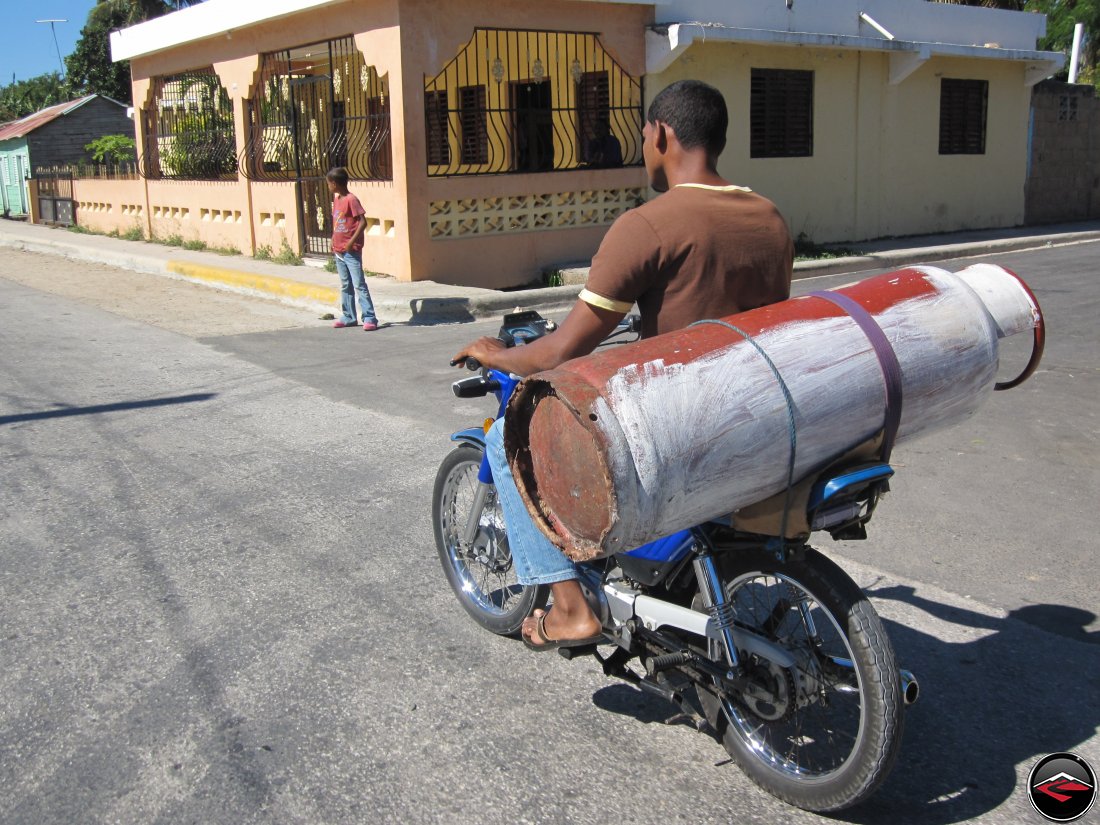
571	619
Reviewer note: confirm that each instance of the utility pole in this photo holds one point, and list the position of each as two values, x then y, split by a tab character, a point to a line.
52	21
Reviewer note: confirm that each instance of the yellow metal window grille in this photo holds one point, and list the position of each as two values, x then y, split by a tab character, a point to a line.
317	107
188	129
515	101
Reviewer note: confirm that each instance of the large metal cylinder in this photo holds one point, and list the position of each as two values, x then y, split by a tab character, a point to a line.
631	443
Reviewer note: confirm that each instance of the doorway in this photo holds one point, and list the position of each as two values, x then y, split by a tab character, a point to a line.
532	126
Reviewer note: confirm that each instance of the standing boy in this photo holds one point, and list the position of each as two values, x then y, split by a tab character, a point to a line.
347	248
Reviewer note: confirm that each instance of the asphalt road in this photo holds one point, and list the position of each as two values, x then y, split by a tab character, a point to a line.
220	600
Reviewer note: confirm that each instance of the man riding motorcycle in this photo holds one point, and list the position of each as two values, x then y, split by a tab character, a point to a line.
705	248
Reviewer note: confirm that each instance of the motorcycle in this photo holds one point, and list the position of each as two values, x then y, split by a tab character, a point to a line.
788	663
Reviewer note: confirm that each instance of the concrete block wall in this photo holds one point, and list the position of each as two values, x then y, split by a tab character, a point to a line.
1063	181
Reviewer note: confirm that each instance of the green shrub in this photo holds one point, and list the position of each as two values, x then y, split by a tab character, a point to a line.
263	253
287	256
195	245
112	148
134	233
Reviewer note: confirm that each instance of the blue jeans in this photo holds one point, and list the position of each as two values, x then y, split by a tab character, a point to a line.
350	266
537	561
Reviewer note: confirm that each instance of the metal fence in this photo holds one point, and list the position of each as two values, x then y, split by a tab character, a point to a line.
531	101
188	129
91	171
318	106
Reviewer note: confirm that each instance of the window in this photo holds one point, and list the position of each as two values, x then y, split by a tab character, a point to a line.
435	113
189	132
593	111
379	145
963	105
317	106
781	113
471	119
521	102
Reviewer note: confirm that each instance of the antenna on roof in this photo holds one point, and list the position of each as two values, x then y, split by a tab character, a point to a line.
51	21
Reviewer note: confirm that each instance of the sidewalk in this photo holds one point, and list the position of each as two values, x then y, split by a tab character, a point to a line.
426	302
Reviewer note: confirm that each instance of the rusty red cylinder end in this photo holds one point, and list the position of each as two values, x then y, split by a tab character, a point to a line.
570	473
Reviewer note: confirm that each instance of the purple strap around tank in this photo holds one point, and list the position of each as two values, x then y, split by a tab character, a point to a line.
887	360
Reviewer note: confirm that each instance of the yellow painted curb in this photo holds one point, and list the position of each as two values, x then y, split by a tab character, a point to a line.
271	284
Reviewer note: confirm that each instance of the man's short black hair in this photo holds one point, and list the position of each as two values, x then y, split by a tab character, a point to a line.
696	111
339	176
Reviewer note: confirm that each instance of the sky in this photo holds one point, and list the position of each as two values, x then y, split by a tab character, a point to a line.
28	46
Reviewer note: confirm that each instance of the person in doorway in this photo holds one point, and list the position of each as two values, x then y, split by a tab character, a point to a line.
703	249
348	225
604	150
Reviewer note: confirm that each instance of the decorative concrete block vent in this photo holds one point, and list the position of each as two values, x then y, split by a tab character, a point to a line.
379	228
220	215
135	210
92	206
175	213
276	219
529	213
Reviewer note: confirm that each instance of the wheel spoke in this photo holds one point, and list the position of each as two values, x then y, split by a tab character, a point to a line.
484	570
811	736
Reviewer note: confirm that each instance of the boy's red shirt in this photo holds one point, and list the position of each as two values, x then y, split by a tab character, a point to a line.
347	213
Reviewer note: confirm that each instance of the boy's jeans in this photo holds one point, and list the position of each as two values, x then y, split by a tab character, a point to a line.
350	267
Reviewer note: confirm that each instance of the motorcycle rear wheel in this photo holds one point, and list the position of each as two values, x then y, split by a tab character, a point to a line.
834	735
482	575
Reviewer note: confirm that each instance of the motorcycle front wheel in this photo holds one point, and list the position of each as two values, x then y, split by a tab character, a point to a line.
829	734
480	572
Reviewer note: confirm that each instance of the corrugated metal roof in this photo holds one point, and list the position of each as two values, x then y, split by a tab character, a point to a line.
24	126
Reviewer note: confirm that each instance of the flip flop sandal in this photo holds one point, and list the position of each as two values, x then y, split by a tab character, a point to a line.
546	643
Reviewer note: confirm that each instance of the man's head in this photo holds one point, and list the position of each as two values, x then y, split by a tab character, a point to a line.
337	179
695	114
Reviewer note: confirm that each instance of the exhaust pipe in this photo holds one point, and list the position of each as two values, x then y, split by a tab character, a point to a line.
910	688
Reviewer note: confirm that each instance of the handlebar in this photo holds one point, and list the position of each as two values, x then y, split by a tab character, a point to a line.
523	327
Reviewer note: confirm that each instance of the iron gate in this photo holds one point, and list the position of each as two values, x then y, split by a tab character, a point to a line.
55	198
317	107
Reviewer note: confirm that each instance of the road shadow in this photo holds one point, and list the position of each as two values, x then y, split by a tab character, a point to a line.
625	700
96	409
431	311
1010	697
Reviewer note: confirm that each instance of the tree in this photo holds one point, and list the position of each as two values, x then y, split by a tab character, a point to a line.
89	67
112	148
25	97
1062	15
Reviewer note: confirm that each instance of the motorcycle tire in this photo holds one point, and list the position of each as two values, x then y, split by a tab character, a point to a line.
482	575
834	734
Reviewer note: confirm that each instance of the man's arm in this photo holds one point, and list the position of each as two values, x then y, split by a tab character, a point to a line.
579	334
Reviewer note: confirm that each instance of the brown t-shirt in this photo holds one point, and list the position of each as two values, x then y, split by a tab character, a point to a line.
694	252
